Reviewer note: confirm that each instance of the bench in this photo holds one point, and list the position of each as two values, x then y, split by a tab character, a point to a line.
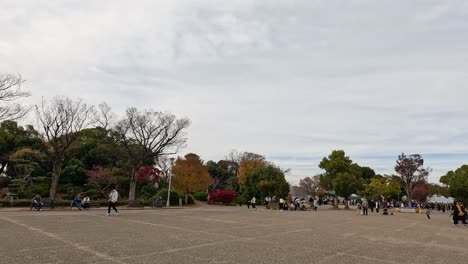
159	203
135	203
94	205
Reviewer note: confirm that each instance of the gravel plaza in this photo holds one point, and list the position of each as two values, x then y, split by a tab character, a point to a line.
216	234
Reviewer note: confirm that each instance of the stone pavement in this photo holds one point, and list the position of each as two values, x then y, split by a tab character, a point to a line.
216	234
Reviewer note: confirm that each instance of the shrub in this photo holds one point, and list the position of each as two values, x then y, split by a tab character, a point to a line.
191	199
201	196
222	196
147	191
241	200
163	194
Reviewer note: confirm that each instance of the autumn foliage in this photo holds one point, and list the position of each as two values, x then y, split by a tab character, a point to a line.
222	196
191	174
149	172
248	164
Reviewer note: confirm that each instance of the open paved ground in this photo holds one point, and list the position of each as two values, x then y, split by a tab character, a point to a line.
228	235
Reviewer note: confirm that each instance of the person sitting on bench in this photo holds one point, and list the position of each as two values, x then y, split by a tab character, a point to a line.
37	202
86	202
77	202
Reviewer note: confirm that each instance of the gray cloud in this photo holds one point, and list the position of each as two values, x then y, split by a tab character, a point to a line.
282	78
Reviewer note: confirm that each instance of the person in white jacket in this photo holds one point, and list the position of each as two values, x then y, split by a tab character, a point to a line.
113	197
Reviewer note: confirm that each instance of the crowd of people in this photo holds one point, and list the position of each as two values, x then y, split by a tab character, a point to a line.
363	206
459	212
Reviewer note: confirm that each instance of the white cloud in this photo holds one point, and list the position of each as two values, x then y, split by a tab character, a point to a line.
282	78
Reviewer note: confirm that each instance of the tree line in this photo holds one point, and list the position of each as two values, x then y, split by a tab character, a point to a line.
77	147
342	177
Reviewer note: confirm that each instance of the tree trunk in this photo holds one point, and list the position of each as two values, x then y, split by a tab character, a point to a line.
132	187
346	204
186	198
57	169
336	201
132	190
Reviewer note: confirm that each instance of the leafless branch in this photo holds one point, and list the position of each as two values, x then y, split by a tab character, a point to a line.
61	119
10	90
149	134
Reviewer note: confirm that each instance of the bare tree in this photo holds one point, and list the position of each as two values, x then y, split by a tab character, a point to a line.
147	135
104	116
101	179
61	121
234	157
412	172
10	90
311	185
165	165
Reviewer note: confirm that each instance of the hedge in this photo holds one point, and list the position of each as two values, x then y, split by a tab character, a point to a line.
201	196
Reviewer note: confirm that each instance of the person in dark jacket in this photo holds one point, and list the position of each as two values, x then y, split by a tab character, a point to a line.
459	213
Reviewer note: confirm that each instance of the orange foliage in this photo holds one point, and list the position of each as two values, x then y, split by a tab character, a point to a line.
191	175
248	164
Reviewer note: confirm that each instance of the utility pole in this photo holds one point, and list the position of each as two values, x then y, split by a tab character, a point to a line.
170	181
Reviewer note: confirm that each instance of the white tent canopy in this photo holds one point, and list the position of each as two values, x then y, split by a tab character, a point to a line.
440	199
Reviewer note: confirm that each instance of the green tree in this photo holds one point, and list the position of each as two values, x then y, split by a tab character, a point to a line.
383	186
346	183
223	174
447	178
439	190
336	163
266	182
96	147
14	138
365	173
74	173
458	183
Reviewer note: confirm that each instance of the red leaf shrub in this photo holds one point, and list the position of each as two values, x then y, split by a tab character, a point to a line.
149	172
222	196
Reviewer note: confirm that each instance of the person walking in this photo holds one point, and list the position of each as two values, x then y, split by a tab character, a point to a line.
365	206
428	213
359	208
281	204
316	204
113	197
459	213
377	206
248	203
253	203
296	204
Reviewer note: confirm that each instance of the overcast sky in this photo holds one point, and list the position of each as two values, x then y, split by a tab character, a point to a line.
292	80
